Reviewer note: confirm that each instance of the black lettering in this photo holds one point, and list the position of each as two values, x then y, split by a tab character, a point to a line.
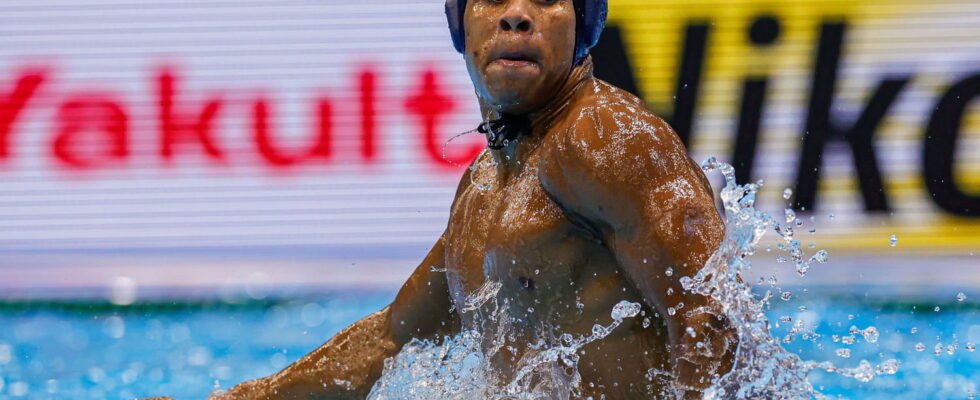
763	32
938	151
747	137
819	127
689	79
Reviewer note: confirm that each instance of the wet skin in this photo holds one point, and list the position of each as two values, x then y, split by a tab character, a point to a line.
598	203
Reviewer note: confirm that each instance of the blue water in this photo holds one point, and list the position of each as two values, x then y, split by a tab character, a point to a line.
58	351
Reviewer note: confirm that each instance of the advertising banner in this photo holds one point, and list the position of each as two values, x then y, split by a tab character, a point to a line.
329	125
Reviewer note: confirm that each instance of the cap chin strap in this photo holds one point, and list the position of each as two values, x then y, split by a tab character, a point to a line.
502	131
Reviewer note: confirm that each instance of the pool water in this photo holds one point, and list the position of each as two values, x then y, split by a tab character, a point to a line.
184	350
98	351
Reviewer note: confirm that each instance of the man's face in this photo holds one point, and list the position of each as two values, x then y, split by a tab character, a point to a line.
518	52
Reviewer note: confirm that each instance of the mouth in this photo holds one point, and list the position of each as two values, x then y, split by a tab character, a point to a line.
515	59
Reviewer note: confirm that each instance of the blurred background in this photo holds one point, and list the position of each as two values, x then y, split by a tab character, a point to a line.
194	193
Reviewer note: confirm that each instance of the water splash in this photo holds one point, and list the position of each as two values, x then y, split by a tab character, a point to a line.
473	167
460	366
763	368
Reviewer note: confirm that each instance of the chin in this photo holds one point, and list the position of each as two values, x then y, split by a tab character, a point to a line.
512	103
517	99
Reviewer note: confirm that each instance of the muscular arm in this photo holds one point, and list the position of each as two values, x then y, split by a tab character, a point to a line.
629	176
347	365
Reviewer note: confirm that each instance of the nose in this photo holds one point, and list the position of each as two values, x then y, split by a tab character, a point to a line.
516	18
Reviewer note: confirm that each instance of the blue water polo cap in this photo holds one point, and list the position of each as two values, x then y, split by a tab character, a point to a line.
590	18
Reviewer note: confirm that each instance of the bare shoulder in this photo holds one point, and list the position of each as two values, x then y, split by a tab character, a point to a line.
613	132
616	162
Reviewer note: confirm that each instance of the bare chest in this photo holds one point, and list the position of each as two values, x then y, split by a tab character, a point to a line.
512	232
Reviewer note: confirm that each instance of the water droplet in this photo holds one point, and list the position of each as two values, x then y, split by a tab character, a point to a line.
124	291
893	241
887	367
936	309
849	339
669	271
786	296
567	338
870	334
115	327
821	256
787	193
843	353
625	309
690	331
19	389
863	372
646	322
785	318
971	347
831	215
960	296
789	214
920	346
671	311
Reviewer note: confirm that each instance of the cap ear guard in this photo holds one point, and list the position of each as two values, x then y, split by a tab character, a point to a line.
454	13
590	18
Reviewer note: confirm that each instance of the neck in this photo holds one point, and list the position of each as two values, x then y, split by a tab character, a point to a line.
547	113
543	117
540	119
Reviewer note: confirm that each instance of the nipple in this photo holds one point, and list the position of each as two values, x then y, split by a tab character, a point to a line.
527	283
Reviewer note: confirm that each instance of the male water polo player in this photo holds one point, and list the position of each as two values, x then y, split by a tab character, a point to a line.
583	199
